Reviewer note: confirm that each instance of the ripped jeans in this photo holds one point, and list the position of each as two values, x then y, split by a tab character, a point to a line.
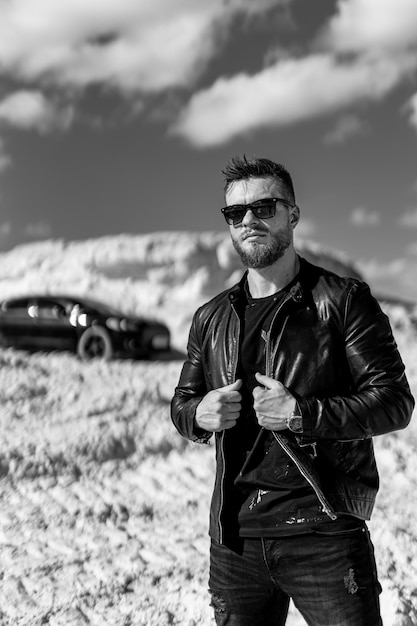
331	579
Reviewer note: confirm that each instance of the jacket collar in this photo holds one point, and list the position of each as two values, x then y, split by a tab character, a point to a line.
236	293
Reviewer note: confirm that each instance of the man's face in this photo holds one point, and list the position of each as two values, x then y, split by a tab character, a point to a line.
262	242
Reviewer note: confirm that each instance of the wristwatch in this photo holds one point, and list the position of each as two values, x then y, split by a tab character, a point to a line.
295	423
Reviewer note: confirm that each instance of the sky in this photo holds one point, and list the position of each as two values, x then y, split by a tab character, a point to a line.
117	116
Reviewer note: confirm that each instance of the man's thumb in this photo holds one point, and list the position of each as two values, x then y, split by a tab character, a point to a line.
266	381
233	386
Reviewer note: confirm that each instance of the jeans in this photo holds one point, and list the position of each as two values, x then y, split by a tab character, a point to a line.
330	577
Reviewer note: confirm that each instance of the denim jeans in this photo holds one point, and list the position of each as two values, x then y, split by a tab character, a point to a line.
330	577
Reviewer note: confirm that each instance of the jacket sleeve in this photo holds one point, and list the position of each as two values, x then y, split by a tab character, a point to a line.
190	390
380	400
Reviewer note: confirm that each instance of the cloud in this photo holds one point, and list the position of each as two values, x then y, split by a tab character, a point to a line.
289	91
364	217
346	126
38	230
5	160
5	230
411	109
30	109
305	228
396	278
142	48
363	53
374	269
145	46
412	248
409	219
376	26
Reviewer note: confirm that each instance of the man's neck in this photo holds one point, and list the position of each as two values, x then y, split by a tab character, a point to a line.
267	281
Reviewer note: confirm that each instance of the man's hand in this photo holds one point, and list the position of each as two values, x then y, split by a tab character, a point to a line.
220	408
272	402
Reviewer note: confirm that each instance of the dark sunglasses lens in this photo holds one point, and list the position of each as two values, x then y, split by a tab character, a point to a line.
234	215
264	209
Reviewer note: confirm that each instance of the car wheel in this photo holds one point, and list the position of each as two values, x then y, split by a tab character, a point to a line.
95	343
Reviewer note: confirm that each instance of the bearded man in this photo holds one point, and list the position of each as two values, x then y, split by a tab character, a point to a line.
295	370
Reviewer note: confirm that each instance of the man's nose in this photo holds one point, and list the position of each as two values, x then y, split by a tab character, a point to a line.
249	218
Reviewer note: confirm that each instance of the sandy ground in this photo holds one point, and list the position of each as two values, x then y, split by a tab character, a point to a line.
104	508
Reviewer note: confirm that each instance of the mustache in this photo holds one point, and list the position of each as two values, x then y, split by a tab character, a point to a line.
250	233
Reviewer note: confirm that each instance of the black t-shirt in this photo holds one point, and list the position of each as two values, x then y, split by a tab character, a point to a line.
274	499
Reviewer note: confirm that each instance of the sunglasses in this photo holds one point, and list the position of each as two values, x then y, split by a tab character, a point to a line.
262	209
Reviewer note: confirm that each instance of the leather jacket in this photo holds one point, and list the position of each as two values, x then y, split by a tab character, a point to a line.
332	347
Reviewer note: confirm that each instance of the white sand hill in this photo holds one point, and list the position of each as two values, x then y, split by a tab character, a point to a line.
104	508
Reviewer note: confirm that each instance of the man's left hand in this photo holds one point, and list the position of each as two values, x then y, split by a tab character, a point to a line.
273	403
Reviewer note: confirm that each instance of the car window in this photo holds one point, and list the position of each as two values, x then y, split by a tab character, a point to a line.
15	308
14	305
92	306
49	310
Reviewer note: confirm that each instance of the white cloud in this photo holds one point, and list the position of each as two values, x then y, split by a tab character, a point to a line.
5	160
135	48
38	230
5	230
409	219
346	126
250	7
287	92
364	217
148	45
30	109
376	26
412	248
396	278
363	53
305	228
411	108
374	269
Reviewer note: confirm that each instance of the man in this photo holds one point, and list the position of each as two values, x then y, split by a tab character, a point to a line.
295	370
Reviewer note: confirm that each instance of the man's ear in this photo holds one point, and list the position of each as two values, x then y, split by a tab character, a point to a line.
294	215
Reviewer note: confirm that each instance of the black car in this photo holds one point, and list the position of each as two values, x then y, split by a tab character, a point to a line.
89	328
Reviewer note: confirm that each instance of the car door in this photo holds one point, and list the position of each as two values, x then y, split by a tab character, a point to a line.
53	327
17	326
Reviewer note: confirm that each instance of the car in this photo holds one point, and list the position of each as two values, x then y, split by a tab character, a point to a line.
82	325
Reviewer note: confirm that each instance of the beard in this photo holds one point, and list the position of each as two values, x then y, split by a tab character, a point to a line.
261	255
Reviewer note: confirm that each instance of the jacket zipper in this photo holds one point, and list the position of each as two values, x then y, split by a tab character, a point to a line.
269	371
269	358
221	487
269	366
233	377
319	493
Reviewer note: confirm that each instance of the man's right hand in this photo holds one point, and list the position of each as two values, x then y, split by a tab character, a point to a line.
220	408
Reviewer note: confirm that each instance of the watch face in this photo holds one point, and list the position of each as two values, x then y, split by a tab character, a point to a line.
295	424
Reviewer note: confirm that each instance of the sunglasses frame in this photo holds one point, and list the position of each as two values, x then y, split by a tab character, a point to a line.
252	206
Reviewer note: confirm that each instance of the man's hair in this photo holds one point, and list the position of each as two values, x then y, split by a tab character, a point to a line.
242	168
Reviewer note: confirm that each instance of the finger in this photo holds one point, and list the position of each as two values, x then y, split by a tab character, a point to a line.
260	393
230	396
266	381
232	387
233	408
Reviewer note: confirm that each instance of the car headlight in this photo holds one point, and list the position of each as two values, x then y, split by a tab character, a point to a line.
83	319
